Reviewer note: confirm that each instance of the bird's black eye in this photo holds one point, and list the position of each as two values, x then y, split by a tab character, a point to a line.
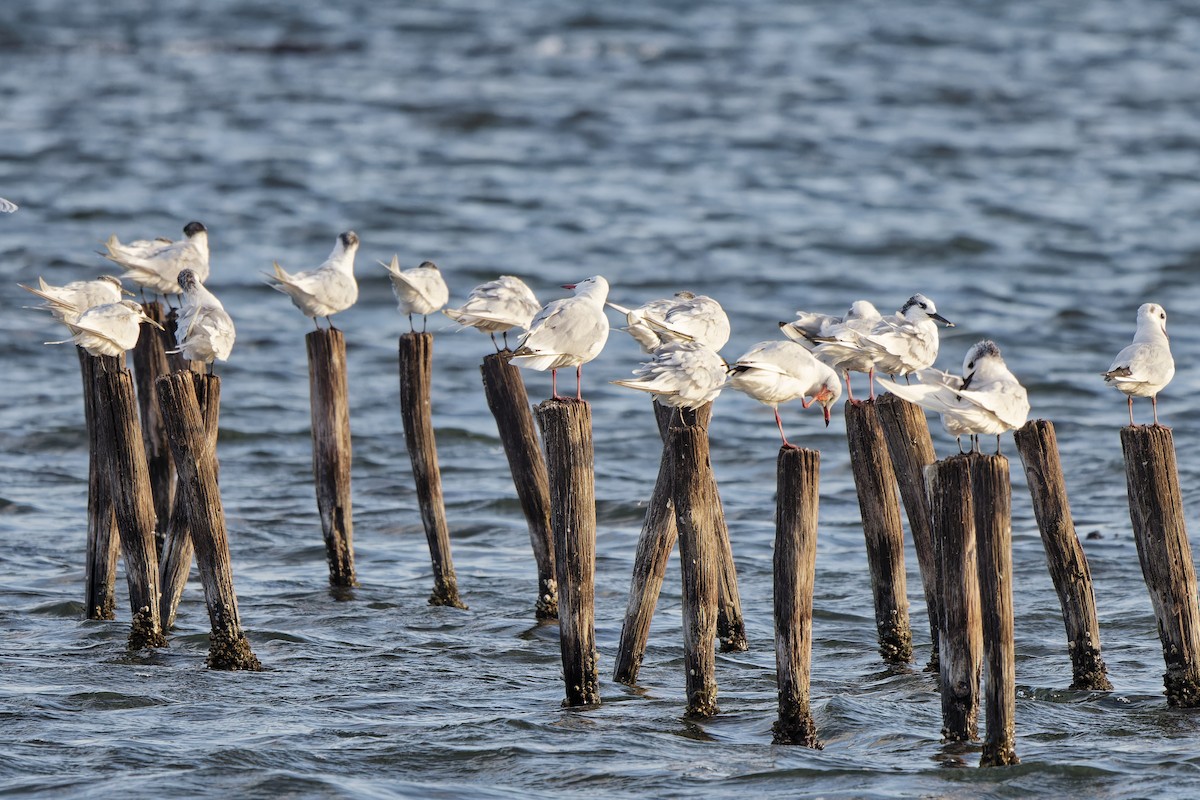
971	365
1162	316
922	305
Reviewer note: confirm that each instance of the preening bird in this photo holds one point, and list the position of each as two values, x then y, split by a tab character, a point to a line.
420	290
68	301
497	307
326	290
779	372
809	329
156	264
681	374
686	317
1144	368
109	329
205	330
568	332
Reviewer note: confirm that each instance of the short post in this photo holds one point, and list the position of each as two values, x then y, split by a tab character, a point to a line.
695	516
880	506
103	542
150	363
1156	509
122	459
416	369
329	400
1068	565
991	495
911	450
193	446
509	403
961	635
796	502
567	433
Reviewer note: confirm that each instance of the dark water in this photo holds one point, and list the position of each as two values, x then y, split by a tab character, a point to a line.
1033	167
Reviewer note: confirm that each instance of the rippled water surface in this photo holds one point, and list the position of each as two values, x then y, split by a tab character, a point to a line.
1033	167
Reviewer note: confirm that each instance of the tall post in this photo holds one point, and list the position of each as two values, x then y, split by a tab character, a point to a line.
149	363
570	461
103	542
509	403
329	400
1068	565
416	369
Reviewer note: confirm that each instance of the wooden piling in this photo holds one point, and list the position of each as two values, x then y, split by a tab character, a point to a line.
103	541
911	451
991	495
880	507
1156	509
695	517
570	460
796	499
416	368
193	447
509	403
329	400
122	459
961	636
1068	565
150	363
731	626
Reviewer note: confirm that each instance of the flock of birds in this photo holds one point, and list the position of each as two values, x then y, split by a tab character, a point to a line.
682	335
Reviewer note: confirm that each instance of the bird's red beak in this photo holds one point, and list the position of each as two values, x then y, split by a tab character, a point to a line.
569	285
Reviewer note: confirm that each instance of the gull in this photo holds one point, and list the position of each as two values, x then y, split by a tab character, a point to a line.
570	331
681	374
686	317
326	290
420	290
7	206
155	264
205	329
1145	367
109	329
68	301
988	398
497	306
778	372
809	328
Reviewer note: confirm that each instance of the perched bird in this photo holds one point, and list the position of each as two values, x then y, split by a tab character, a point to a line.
686	317
567	332
988	398
156	264
68	301
497	307
7	206
326	290
420	290
109	329
778	372
1145	367
205	329
809	328
681	374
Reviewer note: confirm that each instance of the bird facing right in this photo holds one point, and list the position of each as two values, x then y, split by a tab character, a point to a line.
777	372
568	332
1145	367
326	290
420	290
156	264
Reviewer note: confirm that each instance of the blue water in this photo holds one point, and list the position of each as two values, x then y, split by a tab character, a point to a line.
1032	167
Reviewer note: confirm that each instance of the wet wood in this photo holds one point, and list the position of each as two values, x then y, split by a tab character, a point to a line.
796	500
961	635
509	403
570	461
149	363
1156	509
103	542
911	449
416	369
330	404
991	496
880	507
1068	565
193	447
695	518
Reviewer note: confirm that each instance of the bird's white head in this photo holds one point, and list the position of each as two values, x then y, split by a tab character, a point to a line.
348	240
827	395
919	307
595	287
978	359
862	309
1152	318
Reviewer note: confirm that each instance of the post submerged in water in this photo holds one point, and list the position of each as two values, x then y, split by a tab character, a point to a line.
1038	446
330	404
509	404
416	368
1156	510
149	364
103	542
570	461
796	500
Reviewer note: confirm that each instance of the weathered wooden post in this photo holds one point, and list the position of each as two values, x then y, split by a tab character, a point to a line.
1156	509
961	635
695	517
509	403
329	399
416	368
150	363
911	450
991	495
1068	565
880	506
103	542
731	626
193	446
570	461
796	502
